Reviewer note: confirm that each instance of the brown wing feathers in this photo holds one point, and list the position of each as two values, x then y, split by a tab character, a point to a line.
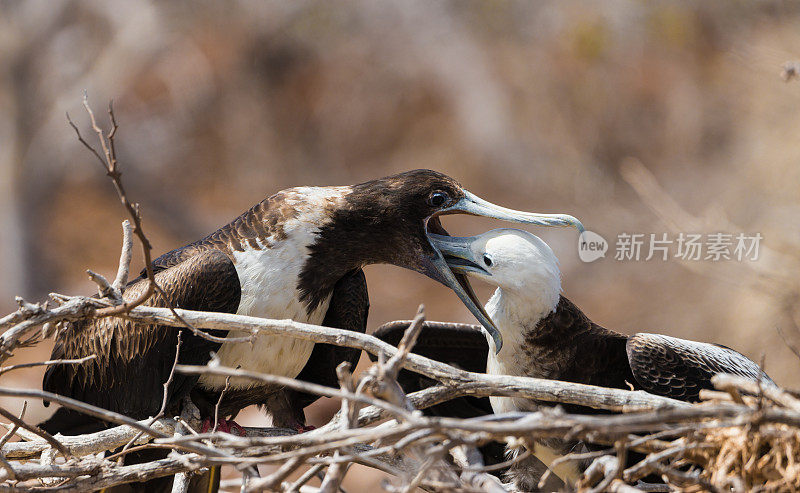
459	344
262	222
134	360
680	369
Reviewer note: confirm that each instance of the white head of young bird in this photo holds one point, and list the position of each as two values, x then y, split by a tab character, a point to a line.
521	265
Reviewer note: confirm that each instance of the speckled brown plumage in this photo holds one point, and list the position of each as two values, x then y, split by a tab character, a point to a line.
566	345
673	369
134	360
261	223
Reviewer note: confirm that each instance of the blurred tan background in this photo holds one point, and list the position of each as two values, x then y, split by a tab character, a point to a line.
532	105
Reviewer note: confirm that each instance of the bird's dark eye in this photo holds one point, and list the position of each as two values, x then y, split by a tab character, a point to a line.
487	259
438	199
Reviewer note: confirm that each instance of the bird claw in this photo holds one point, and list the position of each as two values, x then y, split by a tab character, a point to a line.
236	429
304	428
223	425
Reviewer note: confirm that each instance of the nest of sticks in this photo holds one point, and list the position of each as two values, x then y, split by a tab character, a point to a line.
753	457
759	455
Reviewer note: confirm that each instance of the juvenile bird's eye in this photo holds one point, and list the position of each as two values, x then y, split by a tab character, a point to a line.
487	259
438	199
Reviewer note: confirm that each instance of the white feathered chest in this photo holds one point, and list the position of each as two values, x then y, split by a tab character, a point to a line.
269	280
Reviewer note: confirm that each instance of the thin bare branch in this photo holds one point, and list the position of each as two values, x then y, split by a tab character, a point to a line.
36	430
125	256
51	362
109	162
14	426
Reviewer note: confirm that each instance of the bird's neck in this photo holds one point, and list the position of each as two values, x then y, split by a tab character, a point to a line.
323	268
360	230
340	247
515	313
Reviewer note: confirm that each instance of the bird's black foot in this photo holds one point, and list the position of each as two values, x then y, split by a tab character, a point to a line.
223	425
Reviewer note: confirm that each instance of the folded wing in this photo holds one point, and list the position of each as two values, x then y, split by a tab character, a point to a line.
679	368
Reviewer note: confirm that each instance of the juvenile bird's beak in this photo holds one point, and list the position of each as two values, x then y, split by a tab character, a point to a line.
452	272
437	268
459	254
476	206
455	261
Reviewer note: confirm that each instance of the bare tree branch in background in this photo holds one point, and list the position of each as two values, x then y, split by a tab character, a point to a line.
110	164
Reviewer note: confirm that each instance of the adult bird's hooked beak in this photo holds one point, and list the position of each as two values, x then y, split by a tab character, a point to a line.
452	275
476	206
